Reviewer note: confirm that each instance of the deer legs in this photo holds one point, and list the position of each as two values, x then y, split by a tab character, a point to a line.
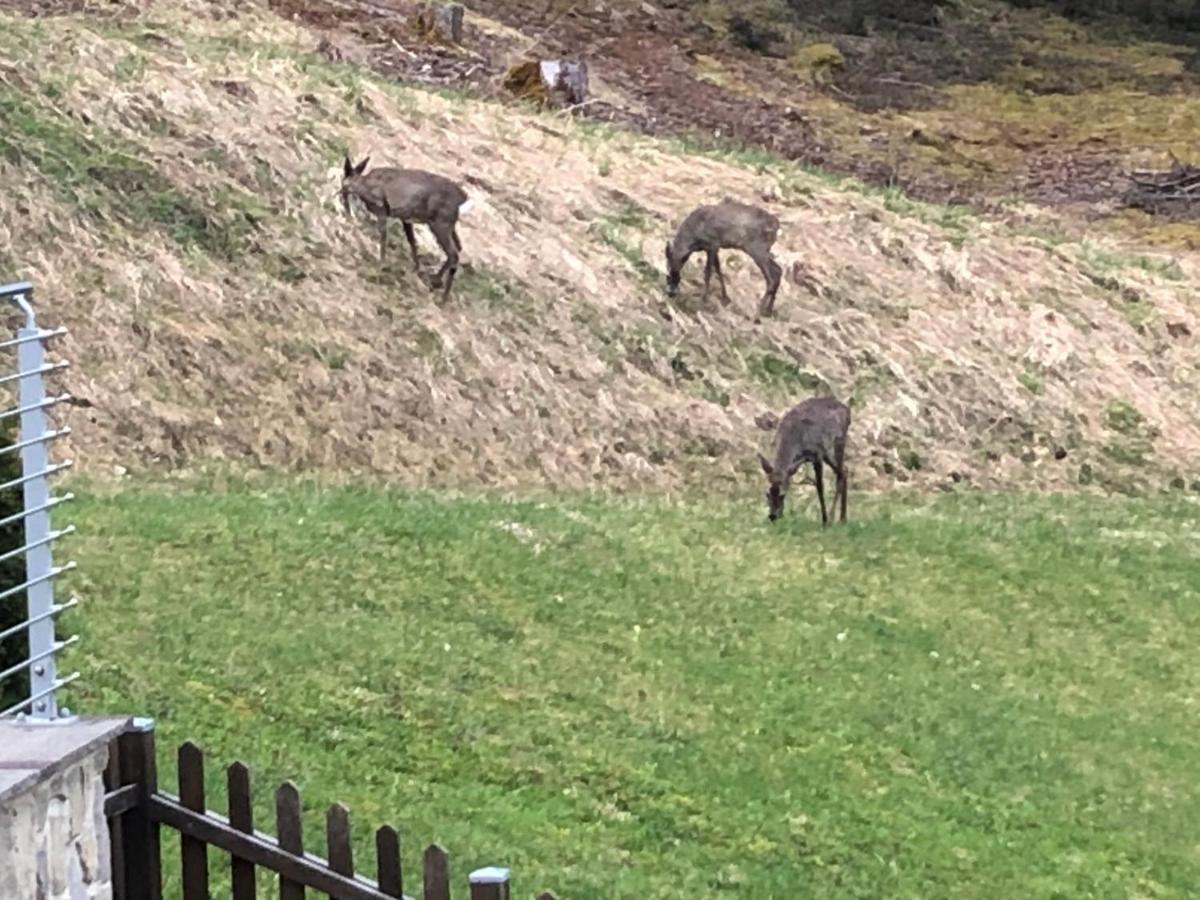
412	243
839	464
447	238
408	233
819	479
772	273
713	265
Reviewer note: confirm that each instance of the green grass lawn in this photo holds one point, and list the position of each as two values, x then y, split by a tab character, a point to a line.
950	697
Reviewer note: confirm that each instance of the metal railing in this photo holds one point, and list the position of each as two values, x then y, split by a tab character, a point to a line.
33	445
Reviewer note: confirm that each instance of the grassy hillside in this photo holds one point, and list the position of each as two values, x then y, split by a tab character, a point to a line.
950	697
983	101
170	176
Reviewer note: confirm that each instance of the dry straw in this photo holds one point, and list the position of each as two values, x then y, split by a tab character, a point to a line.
247	319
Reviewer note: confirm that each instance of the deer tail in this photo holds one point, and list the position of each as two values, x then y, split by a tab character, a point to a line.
466	206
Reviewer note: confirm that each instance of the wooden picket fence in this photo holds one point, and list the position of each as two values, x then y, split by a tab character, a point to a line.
136	810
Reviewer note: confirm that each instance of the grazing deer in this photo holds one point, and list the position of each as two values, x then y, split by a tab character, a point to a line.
726	225
411	195
812	431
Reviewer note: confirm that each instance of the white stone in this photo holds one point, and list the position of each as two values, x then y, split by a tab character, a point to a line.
54	838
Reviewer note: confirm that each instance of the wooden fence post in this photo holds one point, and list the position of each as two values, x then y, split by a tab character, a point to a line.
193	852
490	883
337	840
387	862
140	840
437	873
291	835
241	817
112	781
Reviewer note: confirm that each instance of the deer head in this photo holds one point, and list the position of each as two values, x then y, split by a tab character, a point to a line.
350	174
673	270
778	484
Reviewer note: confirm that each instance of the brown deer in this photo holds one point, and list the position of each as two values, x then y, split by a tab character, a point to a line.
411	195
812	431
726	225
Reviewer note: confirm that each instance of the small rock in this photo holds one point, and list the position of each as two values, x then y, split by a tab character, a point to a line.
1178	329
239	89
1060	452
330	50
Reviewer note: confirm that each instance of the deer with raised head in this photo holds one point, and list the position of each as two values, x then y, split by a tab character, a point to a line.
412	196
812	431
728	225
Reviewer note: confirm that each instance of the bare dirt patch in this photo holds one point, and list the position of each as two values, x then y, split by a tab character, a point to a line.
664	73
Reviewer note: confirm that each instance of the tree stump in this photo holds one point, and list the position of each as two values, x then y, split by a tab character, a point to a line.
565	79
549	82
448	21
443	24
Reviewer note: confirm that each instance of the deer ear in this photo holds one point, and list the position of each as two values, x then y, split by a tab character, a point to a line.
362	166
347	168
669	258
766	466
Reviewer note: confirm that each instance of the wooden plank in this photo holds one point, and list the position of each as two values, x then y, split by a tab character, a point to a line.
122	800
263	851
387	862
116	842
337	840
193	852
241	817
291	836
437	873
140	833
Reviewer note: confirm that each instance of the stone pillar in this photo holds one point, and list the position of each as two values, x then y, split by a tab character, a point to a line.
54	841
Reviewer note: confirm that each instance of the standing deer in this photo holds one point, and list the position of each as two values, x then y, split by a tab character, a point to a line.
811	431
411	195
726	225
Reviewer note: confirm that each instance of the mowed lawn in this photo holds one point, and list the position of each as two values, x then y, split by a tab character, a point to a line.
958	696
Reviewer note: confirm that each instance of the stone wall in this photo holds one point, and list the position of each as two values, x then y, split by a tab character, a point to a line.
54	840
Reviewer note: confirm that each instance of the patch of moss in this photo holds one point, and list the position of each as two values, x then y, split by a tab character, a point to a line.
1133	439
773	371
817	62
1123	418
106	178
610	230
1031	381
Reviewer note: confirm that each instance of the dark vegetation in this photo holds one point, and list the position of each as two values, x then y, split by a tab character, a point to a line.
12	573
856	16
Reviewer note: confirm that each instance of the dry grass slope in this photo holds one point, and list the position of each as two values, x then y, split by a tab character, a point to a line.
169	179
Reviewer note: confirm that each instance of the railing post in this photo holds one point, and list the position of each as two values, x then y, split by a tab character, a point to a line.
490	883
140	839
32	444
35	458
